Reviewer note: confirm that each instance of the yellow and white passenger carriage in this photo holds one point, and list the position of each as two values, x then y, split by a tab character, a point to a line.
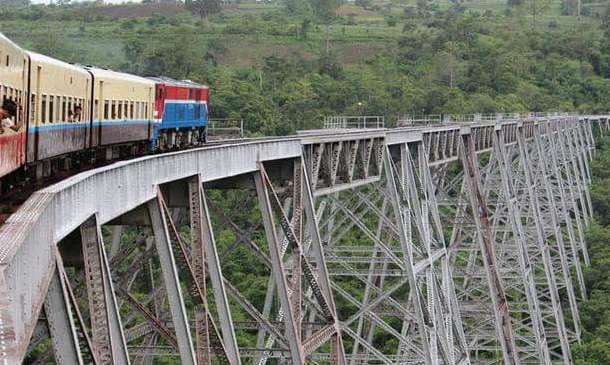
58	91
13	62
122	107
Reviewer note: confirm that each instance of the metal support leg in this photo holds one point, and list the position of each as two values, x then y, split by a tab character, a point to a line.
62	327
318	257
172	283
296	350
107	331
503	323
200	208
408	256
520	238
553	211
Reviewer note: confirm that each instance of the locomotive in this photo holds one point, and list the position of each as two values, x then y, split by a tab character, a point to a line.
66	111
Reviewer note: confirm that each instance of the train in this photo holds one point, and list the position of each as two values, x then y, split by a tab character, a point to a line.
54	112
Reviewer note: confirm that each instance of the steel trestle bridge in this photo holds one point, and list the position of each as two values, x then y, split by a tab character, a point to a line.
451	244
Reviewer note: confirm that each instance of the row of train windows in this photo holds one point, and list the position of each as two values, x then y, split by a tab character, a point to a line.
122	110
7	92
67	109
55	109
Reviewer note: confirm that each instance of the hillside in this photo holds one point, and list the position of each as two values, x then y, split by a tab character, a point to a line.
271	64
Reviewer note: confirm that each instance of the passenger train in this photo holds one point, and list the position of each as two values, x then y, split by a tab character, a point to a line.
67	111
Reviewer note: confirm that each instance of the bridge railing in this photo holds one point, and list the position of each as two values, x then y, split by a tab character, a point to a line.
222	128
432	119
354	122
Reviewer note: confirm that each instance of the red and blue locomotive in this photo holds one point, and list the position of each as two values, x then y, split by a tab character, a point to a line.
181	113
67	112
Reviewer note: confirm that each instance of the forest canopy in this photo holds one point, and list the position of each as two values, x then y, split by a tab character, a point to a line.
284	66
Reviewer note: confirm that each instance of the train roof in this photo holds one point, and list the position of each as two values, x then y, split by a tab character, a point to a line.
181	83
37	57
7	40
109	74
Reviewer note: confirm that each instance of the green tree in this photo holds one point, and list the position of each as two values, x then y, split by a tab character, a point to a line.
204	8
536	8
605	25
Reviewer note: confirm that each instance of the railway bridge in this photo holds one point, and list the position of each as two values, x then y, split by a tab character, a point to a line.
458	243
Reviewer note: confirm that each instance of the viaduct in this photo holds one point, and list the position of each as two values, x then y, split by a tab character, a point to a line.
458	243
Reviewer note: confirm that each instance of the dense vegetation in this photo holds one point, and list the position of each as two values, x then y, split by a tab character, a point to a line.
595	312
284	66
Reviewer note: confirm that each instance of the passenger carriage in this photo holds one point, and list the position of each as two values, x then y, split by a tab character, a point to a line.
122	107
13	66
58	91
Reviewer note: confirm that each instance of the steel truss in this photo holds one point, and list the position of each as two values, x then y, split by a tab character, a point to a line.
464	245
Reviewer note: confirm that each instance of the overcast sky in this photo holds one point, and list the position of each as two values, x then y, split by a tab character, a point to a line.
106	1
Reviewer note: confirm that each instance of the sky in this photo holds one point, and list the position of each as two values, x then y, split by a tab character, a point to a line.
106	1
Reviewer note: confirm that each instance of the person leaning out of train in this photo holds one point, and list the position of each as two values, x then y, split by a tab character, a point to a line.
8	112
78	112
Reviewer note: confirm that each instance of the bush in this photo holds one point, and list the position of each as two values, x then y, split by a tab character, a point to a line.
391	21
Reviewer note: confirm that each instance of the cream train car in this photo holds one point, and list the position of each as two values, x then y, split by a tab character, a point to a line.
57	91
78	113
13	85
122	107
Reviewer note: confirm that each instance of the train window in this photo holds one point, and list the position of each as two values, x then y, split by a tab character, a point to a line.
145	111
105	109
51	108
58	108
191	94
63	108
33	107
7	60
43	109
131	116
120	109
113	110
95	106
